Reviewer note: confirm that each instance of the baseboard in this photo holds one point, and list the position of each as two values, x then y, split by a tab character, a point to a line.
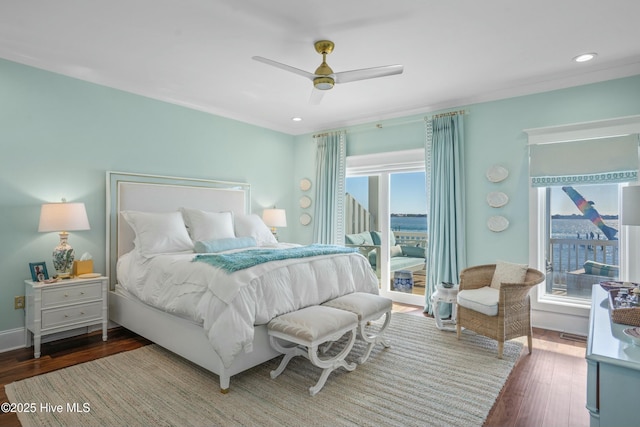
14	339
577	325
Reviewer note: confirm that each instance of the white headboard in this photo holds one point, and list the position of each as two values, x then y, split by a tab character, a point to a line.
152	193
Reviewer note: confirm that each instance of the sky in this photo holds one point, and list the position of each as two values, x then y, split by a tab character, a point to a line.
605	198
408	195
408	192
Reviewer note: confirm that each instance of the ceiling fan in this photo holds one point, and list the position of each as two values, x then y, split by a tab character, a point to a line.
324	78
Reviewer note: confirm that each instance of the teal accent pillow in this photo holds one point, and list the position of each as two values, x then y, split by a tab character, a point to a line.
598	269
363	238
413	251
220	245
377	238
373	258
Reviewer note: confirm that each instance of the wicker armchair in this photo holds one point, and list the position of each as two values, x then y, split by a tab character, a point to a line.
514	309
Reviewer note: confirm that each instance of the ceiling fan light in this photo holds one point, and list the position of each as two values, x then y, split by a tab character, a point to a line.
323	83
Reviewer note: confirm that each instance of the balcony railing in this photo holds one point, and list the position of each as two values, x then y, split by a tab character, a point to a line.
565	273
571	254
410	238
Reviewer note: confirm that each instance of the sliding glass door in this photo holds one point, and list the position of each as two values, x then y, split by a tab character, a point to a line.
386	218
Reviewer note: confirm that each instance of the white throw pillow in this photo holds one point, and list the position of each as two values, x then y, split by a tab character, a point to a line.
395	251
204	226
507	272
253	226
158	233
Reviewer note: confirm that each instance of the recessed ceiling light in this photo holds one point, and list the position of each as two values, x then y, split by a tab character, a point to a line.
296	119
585	57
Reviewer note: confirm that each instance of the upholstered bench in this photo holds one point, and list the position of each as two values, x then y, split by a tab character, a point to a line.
367	307
306	329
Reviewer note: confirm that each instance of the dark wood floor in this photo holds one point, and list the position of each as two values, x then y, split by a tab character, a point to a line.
546	388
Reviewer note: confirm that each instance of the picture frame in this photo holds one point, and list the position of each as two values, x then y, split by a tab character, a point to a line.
38	271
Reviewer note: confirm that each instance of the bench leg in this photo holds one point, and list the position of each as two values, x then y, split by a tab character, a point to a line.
289	353
374	339
329	365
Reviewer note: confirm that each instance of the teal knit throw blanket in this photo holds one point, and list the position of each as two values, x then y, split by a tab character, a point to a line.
240	260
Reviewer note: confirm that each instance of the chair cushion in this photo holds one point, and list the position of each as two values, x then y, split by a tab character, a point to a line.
507	272
313	324
483	300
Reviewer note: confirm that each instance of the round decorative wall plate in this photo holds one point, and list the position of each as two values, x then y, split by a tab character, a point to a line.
305	184
497	173
305	202
497	223
497	199
305	219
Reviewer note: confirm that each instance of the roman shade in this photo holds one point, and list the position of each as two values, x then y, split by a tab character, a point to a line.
592	161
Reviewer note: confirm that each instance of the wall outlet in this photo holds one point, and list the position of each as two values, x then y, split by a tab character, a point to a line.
18	302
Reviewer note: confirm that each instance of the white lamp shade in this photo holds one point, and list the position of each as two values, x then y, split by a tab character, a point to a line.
630	205
63	217
274	217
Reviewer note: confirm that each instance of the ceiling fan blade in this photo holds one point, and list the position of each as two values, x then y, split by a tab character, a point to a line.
285	67
316	96
367	73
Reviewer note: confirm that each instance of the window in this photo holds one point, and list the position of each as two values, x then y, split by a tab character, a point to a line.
596	159
582	239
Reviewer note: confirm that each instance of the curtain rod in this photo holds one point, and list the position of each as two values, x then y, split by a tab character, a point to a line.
450	113
328	133
382	125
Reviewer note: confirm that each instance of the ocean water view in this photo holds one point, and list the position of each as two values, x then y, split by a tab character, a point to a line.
409	223
579	228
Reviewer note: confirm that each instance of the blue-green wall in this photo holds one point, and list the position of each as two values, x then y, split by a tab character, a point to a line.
59	136
494	135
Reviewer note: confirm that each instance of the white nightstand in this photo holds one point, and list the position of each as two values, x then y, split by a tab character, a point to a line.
64	305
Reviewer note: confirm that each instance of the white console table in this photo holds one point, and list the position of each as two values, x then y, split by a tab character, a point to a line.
613	368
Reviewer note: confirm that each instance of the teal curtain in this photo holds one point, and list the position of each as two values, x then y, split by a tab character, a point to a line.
444	153
328	221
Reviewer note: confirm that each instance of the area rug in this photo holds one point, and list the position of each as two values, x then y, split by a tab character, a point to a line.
426	377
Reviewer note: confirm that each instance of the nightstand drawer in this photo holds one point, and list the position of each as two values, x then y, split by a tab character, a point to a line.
56	317
56	296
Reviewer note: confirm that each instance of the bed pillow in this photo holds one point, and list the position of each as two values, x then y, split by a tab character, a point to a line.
220	245
253	226
507	272
158	233
205	226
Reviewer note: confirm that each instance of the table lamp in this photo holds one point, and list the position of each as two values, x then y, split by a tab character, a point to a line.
63	217
274	218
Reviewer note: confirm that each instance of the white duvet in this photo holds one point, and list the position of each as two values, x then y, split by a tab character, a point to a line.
229	305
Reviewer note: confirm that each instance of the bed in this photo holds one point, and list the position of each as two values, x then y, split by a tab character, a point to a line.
214	318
